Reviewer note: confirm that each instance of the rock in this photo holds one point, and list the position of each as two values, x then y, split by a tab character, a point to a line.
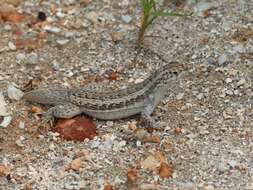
14	93
56	65
238	49
202	6
228	80
21	125
117	36
200	96
233	163
180	96
60	14
32	58
20	57
93	17
62	41
229	92
241	82
6	121
222	167
52	29
126	18
210	61
222	59
139	80
76	129
51	147
12	46
41	16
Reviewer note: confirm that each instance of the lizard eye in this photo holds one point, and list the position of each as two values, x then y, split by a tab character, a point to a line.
175	73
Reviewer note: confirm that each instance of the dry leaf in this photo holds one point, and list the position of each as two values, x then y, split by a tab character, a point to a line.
76	163
152	139
150	163
108	187
243	34
165	171
160	157
113	76
36	110
178	130
4	171
132	175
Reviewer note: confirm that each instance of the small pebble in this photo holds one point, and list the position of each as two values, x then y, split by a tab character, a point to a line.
228	80
12	46
229	92
6	121
20	57
126	18
232	163
52	29
222	167
222	59
7	27
241	82
52	147
21	125
60	14
32	58
180	96
200	96
41	16
56	65
14	93
138	81
62	41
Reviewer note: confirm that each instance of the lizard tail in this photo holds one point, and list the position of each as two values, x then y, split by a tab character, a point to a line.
52	96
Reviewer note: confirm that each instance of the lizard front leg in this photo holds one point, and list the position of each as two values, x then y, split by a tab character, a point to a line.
147	111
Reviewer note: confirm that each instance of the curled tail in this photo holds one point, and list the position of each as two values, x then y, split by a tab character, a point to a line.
51	96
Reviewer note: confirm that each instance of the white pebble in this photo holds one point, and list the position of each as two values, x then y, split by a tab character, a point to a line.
52	29
241	82
32	58
14	93
200	96
228	80
126	18
62	41
180	96
6	121
20	57
229	92
222	59
12	46
138	81
21	125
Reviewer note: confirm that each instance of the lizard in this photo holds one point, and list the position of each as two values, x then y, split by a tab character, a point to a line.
140	98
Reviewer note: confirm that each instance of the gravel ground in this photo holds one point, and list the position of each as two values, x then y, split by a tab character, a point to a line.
207	115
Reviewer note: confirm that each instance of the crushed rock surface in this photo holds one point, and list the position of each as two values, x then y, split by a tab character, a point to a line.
87	41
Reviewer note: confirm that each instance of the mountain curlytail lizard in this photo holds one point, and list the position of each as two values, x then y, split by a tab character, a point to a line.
109	105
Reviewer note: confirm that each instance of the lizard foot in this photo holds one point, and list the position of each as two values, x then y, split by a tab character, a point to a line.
146	119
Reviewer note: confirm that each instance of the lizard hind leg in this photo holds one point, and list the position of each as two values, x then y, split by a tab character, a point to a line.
64	111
